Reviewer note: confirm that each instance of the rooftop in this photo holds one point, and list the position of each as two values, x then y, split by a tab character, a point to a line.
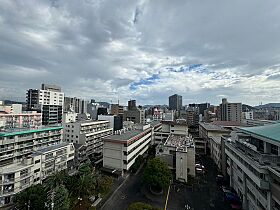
178	141
50	148
226	123
19	131
212	127
271	131
174	122
125	136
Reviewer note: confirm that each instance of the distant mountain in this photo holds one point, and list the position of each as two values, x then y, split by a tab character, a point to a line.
9	102
246	107
269	105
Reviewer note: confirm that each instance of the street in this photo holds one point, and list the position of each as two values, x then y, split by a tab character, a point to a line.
205	196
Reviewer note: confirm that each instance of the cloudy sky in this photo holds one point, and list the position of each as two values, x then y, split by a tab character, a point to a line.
145	50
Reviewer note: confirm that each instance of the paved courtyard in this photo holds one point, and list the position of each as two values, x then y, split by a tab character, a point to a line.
204	196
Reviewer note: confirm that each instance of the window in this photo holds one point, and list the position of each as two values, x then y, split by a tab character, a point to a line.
274	149
37	170
37	161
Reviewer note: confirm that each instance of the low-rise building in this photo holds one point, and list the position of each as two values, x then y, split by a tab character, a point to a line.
208	130
170	127
90	134
253	160
178	151
121	149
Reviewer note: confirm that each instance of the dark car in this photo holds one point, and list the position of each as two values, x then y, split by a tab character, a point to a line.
220	179
231	198
229	189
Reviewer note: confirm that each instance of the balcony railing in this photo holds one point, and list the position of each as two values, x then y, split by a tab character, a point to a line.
262	158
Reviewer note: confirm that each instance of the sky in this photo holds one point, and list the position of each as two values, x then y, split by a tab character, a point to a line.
147	50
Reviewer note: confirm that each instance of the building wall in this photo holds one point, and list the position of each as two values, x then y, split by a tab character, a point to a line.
117	155
22	120
14	147
33	169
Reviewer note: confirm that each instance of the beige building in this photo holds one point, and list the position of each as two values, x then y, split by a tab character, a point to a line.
90	134
28	156
121	149
230	111
178	151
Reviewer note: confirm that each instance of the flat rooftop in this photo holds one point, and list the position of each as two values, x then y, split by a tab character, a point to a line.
271	131
178	141
212	127
125	136
19	131
14	167
50	148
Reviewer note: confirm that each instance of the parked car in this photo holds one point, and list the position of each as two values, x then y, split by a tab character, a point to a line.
220	179
229	189
231	198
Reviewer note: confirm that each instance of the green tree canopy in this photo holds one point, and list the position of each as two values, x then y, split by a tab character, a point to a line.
86	168
32	198
141	206
61	198
157	173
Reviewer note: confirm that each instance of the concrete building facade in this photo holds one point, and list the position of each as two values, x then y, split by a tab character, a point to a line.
178	151
253	159
230	111
133	113
90	134
175	102
121	149
25	156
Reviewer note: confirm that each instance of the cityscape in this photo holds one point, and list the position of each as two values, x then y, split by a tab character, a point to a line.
139	105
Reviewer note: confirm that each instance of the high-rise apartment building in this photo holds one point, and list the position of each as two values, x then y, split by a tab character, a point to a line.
28	156
117	109
90	134
175	102
49	100
73	104
230	111
134	113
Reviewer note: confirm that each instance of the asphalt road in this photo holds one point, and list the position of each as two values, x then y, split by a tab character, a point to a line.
130	191
204	196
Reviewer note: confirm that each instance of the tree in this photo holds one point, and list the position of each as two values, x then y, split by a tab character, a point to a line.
157	174
141	206
86	168
138	161
104	184
56	179
86	185
32	198
61	198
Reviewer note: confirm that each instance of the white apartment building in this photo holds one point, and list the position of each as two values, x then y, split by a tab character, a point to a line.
49	100
90	134
216	151
180	148
170	127
121	149
253	160
25	156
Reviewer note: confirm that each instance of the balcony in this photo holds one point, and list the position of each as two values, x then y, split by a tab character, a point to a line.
261	158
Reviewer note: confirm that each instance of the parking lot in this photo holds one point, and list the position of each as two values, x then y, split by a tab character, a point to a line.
203	196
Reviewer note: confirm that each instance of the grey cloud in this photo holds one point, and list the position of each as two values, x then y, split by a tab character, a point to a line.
97	48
